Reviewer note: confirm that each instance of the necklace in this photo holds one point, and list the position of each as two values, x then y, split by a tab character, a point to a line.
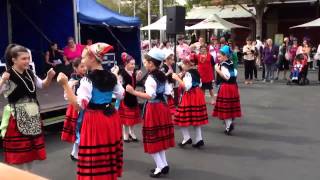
30	79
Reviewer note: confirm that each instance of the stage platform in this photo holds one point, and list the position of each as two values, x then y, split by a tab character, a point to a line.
52	104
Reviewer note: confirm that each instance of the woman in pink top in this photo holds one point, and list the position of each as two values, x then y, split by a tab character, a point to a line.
72	51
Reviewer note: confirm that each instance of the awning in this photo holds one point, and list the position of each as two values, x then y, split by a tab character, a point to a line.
314	23
228	11
91	12
214	22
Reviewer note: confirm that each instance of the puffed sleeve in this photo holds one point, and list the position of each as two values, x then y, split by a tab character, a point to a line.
150	87
84	92
118	91
39	82
168	88
225	72
187	80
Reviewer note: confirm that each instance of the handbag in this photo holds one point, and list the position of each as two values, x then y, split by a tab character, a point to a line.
27	115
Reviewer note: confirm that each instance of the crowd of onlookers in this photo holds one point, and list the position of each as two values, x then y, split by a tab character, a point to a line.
277	62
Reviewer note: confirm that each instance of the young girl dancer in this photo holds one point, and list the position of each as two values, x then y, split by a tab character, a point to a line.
158	131
206	71
70	122
129	108
21	127
167	69
227	106
192	110
100	148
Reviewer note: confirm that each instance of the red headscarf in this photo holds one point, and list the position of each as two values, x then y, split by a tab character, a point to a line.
126	58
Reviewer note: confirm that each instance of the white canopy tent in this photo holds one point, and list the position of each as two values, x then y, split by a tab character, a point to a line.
314	23
160	25
214	22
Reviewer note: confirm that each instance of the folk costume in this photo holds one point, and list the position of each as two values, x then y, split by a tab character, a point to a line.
129	110
227	106
192	110
21	126
101	147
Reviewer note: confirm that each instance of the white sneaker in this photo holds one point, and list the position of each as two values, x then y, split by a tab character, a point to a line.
271	81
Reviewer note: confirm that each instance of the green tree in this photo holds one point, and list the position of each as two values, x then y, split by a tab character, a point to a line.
141	8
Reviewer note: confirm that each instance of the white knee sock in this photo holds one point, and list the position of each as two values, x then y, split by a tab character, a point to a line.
131	132
159	163
228	123
125	133
75	150
163	157
198	133
185	134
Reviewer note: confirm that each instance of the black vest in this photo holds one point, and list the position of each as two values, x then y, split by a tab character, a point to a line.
195	77
165	70
21	90
233	79
76	77
129	99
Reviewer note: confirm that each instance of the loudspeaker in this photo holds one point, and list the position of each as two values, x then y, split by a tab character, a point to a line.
176	19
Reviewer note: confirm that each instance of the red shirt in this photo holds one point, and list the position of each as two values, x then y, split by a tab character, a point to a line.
205	68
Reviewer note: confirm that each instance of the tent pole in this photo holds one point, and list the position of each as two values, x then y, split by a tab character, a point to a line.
161	14
75	21
9	22
149	22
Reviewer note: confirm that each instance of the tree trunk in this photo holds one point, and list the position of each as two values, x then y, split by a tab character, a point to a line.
259	25
259	17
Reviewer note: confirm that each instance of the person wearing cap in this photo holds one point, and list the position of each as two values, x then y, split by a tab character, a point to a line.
129	110
167	68
158	130
227	106
249	52
100	136
192	110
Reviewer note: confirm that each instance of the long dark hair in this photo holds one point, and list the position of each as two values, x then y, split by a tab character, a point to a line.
157	74
12	51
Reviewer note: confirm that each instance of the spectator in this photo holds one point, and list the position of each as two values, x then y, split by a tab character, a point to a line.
306	49
72	51
183	49
214	48
317	57
283	59
54	58
249	58
270	54
257	60
293	50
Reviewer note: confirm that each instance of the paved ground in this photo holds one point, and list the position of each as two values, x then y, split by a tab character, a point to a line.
277	139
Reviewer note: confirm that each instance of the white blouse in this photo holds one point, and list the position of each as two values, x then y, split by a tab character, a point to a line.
151	87
187	80
84	91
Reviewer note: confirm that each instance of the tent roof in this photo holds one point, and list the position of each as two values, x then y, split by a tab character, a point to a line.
314	23
228	11
214	22
91	12
160	24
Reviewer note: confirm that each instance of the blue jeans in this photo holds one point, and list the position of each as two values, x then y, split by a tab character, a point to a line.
270	68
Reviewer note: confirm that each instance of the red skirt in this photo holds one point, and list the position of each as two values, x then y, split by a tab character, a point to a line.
171	105
101	147
69	126
158	130
228	102
19	149
129	116
192	110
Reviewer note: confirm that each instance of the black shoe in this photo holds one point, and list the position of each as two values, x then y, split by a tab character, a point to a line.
73	158
133	139
199	144
231	128
155	175
164	170
126	140
185	143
